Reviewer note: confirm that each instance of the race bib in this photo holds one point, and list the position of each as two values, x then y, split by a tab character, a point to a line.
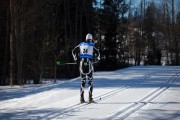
86	50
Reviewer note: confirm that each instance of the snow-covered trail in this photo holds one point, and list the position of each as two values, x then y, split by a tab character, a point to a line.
142	92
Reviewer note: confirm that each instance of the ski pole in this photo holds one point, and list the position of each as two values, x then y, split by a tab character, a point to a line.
68	64
95	62
74	63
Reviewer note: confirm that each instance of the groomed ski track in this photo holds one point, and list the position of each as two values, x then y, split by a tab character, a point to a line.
134	93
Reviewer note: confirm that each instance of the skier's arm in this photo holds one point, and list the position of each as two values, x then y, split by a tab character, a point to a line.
97	51
74	51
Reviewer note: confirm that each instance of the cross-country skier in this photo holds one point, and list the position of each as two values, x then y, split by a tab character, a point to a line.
86	51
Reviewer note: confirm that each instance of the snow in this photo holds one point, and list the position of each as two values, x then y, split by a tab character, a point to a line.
134	93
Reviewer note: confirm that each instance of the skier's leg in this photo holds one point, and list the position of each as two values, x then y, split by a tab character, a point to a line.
83	82
90	83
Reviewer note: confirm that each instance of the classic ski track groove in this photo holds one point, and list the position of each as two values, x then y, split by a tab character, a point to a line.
135	106
74	108
124	113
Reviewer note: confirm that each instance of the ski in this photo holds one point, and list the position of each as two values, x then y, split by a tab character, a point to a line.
92	102
88	102
83	102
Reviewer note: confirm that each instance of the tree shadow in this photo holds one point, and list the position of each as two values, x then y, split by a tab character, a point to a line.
135	77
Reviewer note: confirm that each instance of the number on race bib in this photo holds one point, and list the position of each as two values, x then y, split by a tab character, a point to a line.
85	50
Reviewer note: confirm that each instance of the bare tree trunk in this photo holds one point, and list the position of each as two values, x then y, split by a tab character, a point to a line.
18	29
166	30
76	23
6	51
55	69
12	61
21	49
175	41
81	21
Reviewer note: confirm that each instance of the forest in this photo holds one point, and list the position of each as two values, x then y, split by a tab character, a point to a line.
37	36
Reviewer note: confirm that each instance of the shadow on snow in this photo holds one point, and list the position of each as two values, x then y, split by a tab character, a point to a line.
135	77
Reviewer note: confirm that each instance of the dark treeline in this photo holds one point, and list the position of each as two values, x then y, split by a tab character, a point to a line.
35	34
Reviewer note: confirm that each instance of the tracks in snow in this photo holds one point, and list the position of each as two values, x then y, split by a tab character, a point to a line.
127	111
124	113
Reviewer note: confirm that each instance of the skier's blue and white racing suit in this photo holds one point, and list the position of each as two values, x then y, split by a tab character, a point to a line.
86	50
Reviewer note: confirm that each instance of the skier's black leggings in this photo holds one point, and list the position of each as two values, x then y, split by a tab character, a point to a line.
89	75
90	83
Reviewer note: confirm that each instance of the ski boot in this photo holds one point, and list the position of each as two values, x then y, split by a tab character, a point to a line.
91	99
82	100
